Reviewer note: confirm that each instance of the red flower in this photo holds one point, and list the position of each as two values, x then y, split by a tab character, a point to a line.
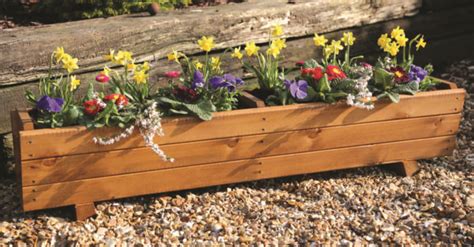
103	78
92	107
185	94
399	75
334	72
173	74
315	73
119	99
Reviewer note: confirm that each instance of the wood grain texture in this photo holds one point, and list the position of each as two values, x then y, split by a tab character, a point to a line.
106	188
45	143
75	167
152	37
409	167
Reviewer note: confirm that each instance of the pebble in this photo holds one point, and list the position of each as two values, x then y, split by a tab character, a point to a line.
357	207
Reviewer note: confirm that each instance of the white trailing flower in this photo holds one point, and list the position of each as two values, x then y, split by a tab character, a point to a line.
149	124
363	98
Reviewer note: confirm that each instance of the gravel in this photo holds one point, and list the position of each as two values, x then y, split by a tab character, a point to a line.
351	207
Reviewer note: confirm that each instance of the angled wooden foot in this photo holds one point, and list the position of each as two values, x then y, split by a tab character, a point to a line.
410	167
84	211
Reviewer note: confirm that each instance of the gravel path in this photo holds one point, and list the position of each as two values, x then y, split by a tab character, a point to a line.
359	206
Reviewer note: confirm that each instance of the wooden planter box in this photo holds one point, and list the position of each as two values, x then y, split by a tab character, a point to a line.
60	167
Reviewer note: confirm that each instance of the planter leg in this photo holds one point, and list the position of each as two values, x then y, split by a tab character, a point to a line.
408	167
84	211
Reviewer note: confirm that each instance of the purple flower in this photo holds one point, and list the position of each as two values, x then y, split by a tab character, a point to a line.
417	73
198	80
298	89
47	103
227	81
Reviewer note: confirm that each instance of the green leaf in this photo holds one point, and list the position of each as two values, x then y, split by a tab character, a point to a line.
383	78
394	97
323	85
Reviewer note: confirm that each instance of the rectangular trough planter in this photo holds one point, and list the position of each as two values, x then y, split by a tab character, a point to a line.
60	167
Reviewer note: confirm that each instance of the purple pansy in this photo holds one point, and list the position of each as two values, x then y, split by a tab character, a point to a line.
47	103
417	73
228	81
198	80
298	89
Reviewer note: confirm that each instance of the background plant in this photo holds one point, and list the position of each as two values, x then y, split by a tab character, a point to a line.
396	73
55	105
202	87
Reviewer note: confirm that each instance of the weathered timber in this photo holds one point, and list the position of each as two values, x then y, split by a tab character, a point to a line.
449	34
25	51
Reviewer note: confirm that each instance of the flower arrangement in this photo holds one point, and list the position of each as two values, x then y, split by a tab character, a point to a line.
395	73
55	106
201	87
266	66
125	100
332	79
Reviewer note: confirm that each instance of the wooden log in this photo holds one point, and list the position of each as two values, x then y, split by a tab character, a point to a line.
449	34
44	143
113	187
75	167
152	37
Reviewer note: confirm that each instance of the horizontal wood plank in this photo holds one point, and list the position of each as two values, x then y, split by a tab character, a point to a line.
106	188
45	143
69	168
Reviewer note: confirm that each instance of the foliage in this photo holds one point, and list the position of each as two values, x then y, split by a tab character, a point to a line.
394	76
332	79
55	106
201	87
266	66
65	10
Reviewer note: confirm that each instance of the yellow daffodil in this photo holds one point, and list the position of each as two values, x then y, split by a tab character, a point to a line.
279	43
383	41
110	56
146	66
251	49
59	54
421	43
348	38
274	51
74	82
174	56
277	31
131	66
69	63
392	48
319	40
336	46
236	53
106	71
140	77
198	65
215	63
401	40
206	43
327	51
397	32
123	57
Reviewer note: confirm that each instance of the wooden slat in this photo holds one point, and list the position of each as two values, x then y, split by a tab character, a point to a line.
69	168
76	140
105	188
16	127
26	122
